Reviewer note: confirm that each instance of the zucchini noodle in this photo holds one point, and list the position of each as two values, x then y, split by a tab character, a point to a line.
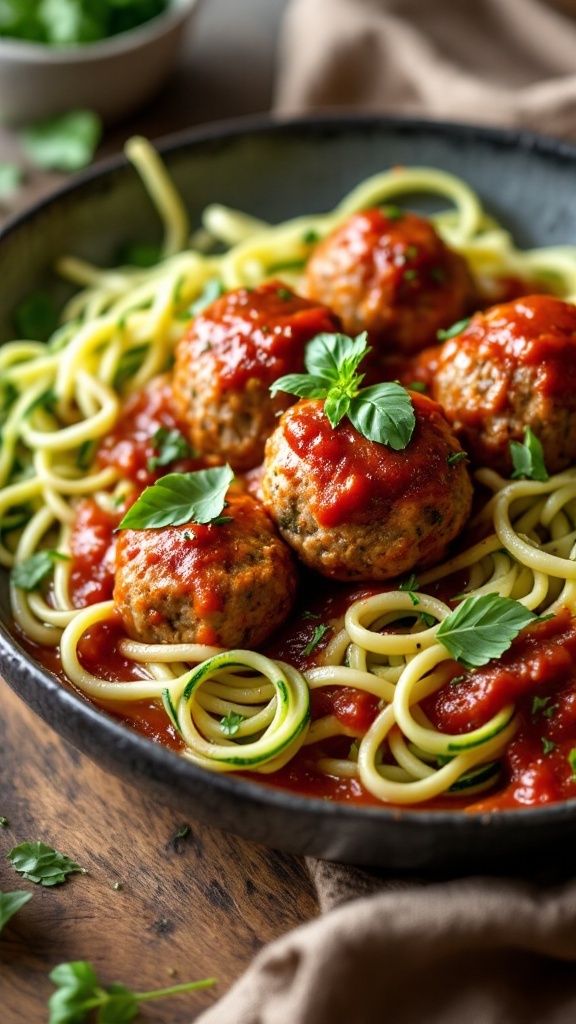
239	710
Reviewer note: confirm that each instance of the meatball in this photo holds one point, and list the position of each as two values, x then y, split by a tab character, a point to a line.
512	367
230	583
231	354
393	276
355	509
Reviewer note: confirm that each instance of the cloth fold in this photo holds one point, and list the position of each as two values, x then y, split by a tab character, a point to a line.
509	63
473	950
409	950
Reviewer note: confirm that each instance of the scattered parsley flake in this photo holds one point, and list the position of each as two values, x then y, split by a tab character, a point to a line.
42	864
213	289
310	615
410	275
451	332
284	294
456	680
528	458
182	832
455	457
319	632
393	212
171	445
231	723
572	761
417	385
547	745
310	237
4	822
428	620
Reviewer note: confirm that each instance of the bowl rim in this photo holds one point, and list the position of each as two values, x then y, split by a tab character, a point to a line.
24	51
125	743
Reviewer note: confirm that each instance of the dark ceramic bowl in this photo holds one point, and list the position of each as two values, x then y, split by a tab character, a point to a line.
277	171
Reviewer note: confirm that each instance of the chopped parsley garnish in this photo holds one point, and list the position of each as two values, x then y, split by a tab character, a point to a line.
393	212
410	274
27	575
213	289
547	745
284	294
482	628
310	237
451	332
319	632
179	498
427	619
85	454
456	680
79	993
543	704
410	585
455	457
528	458
63	143
231	723
170	445
181	833
382	413
10	904
41	864
417	385
572	761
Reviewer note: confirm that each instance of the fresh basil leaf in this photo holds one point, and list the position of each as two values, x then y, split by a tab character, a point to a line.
451	332
178	498
64	143
41	864
384	413
335	357
170	445
482	628
301	384
10	904
336	406
27	575
528	458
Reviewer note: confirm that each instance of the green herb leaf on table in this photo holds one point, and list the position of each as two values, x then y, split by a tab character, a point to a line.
482	628
528	458
42	864
382	413
179	498
170	445
65	143
10	904
11	177
78	993
29	574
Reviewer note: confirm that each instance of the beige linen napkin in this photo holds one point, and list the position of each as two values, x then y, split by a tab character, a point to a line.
412	951
499	62
466	951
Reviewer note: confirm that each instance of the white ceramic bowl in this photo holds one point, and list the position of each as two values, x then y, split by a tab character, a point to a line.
112	77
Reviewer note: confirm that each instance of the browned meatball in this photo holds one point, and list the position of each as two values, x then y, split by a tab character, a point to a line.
229	584
390	275
514	366
233	351
354	509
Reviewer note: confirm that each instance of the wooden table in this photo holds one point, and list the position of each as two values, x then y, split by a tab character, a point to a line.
154	909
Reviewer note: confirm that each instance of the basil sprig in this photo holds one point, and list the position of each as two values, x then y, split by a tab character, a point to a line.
482	628
528	458
179	498
382	413
42	864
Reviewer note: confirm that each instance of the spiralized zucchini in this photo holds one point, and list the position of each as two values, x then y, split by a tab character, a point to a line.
238	710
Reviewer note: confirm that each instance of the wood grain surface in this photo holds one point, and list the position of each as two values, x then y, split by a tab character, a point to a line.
187	908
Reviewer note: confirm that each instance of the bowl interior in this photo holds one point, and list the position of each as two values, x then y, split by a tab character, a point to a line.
276	171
